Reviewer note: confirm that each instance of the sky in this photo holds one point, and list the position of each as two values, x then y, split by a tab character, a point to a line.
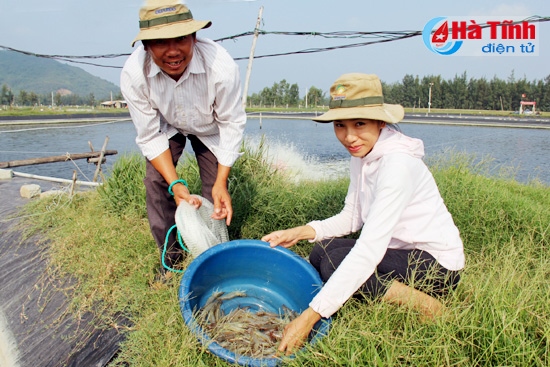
100	27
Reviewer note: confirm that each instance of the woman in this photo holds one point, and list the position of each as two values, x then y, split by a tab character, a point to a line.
409	250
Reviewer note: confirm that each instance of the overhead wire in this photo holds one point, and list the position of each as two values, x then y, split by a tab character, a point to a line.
383	37
376	36
323	49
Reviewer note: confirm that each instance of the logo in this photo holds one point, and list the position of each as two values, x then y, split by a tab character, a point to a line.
339	92
165	10
439	42
481	36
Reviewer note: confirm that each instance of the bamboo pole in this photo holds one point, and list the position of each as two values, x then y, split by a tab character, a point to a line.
54	179
58	158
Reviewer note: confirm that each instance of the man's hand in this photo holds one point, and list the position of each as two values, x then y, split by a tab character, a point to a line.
181	193
164	165
222	203
222	200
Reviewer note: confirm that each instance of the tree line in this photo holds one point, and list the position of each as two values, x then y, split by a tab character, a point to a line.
30	98
459	92
285	95
473	93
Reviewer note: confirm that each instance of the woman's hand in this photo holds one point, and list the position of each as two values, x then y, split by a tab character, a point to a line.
289	237
297	331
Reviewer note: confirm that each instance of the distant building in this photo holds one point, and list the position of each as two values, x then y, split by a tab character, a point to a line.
114	104
63	92
523	109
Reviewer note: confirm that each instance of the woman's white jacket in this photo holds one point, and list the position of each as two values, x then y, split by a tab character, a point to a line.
394	200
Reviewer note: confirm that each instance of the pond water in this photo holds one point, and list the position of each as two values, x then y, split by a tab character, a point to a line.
301	144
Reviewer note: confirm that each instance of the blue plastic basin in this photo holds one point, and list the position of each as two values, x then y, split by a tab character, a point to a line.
270	277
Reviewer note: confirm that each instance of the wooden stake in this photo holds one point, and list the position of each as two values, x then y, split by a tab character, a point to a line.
73	184
96	160
98	168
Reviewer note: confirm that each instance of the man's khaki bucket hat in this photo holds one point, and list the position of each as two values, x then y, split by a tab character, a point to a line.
359	96
162	19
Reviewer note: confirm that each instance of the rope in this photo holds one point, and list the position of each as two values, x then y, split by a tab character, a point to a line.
78	168
166	244
68	158
56	204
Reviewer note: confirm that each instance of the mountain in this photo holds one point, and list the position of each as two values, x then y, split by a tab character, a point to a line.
43	76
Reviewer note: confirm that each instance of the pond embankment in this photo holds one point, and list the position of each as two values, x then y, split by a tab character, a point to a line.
63	118
513	121
432	118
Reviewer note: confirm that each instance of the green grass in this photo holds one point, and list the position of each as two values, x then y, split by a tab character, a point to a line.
31	111
498	316
45	111
449	111
433	111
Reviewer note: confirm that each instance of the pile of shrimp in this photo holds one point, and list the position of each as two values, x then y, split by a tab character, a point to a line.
241	331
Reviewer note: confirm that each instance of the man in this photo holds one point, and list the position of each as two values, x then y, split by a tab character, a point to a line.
180	87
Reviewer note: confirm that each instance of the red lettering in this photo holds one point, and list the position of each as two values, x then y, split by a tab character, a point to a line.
517	31
474	31
493	29
459	30
529	31
514	31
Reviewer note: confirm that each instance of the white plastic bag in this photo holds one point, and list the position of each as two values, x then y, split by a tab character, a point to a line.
197	229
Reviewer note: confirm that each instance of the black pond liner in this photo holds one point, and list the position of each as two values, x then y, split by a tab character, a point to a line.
36	305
